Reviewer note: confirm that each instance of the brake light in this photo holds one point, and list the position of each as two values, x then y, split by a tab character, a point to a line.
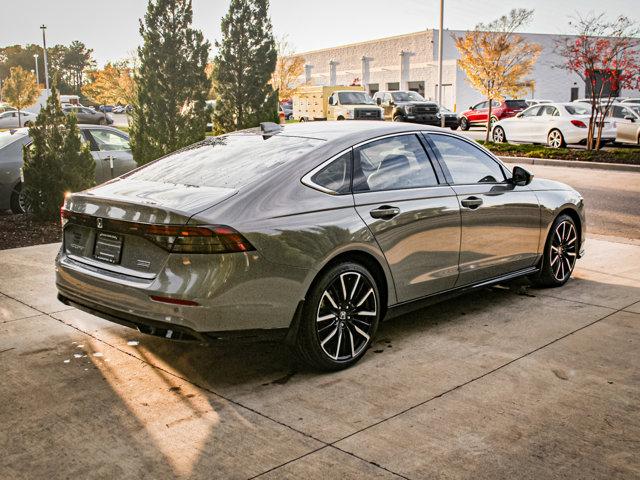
173	238
64	216
578	123
187	239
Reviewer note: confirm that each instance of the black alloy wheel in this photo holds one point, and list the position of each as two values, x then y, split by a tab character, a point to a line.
340	318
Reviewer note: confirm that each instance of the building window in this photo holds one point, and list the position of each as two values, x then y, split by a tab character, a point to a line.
393	86
373	89
417	87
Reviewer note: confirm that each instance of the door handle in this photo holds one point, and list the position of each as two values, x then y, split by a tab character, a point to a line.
471	202
385	212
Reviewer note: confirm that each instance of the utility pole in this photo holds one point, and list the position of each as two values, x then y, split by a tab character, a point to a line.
46	66
37	73
440	36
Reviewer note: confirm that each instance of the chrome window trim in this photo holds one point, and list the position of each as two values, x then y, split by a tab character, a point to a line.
306	179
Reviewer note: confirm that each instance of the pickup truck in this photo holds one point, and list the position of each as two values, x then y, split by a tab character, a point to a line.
335	103
407	106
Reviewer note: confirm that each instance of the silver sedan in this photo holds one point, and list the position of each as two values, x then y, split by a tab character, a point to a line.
109	148
316	232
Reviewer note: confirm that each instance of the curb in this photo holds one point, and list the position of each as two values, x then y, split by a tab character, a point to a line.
621	167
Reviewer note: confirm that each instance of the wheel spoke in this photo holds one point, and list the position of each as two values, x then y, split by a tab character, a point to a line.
359	330
329	337
572	254
339	345
353	348
555	259
327	317
355	286
327	295
344	288
366	295
366	314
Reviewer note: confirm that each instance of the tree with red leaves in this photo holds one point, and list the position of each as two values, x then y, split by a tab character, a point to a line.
606	55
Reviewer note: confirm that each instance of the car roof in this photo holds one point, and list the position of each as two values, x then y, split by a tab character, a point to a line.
349	129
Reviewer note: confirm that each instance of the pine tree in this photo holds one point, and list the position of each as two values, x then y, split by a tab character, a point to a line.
56	162
171	83
245	62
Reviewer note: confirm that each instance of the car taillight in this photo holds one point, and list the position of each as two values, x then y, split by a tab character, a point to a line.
578	123
64	216
188	239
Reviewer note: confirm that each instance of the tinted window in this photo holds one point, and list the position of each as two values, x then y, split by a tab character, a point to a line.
467	164
516	103
227	161
392	163
336	176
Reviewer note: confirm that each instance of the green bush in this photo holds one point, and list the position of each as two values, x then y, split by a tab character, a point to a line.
56	162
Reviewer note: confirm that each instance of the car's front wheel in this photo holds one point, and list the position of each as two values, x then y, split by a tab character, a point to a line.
560	253
464	124
340	317
498	134
398	118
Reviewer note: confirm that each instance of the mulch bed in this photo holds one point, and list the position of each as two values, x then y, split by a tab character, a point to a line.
23	231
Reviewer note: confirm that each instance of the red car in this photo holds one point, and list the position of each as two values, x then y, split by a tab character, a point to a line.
478	114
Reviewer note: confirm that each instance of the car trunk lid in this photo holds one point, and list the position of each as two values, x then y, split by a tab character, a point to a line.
115	226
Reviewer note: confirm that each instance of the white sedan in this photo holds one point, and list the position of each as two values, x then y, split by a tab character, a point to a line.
10	119
556	124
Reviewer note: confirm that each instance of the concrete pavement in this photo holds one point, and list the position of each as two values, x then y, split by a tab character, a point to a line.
510	382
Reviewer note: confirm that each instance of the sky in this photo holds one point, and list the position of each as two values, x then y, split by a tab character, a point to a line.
110	27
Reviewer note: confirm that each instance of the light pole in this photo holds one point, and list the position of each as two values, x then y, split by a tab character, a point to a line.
440	36
37	73
46	67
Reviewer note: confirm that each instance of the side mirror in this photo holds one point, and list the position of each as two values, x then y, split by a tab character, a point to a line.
521	177
379	101
630	118
470	108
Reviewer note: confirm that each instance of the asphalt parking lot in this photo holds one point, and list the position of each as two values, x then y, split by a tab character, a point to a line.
510	382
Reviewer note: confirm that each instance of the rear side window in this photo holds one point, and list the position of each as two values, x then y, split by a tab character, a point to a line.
335	177
229	161
466	163
392	163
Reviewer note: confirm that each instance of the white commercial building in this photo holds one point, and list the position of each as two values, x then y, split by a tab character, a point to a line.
410	62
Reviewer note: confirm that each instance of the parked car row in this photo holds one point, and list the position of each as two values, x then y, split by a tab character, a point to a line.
109	148
560	124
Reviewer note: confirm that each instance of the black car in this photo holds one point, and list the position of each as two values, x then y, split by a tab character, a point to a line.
451	119
407	106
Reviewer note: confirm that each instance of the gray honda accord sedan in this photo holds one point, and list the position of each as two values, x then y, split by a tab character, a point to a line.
316	232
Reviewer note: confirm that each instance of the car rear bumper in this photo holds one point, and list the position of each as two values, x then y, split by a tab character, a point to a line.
240	291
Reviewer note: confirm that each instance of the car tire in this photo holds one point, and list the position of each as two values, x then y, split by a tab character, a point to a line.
340	118
464	124
555	139
560	253
454	127
102	121
333	333
498	135
27	124
302	119
398	118
290	117
17	200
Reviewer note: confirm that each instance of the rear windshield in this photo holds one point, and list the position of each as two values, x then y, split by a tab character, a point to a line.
516	103
7	137
578	109
230	161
